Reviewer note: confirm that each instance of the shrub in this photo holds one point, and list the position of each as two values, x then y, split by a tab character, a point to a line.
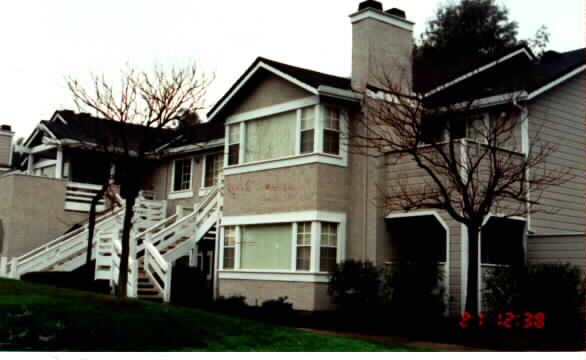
277	309
235	305
413	292
354	285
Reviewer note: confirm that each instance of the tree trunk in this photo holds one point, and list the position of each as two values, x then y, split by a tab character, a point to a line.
473	262
128	214
91	227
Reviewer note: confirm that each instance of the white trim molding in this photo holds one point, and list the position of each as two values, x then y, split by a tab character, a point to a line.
289	217
286	162
556	82
337	93
276	275
260	65
174	195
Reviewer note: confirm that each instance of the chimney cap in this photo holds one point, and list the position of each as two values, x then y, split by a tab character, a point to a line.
396	12
5	128
370	4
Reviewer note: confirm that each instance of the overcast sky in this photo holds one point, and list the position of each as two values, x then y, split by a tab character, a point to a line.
44	41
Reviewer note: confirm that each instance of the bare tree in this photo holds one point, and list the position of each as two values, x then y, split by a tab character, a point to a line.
471	162
140	113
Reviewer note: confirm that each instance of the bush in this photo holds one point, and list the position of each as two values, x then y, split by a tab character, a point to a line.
354	285
413	292
554	289
277	309
234	305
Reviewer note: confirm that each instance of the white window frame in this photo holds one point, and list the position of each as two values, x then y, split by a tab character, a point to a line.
317	156
185	193
313	275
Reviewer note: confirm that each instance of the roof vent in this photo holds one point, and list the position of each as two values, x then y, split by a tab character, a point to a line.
396	12
370	4
5	128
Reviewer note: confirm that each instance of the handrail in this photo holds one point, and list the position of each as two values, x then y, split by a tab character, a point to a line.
161	268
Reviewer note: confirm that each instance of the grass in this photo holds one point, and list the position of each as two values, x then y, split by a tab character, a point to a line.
39	317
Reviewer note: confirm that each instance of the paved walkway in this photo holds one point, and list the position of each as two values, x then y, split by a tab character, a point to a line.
398	340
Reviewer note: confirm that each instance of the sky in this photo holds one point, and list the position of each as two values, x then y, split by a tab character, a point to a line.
43	42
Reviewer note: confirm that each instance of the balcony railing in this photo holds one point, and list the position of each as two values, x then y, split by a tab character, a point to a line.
78	197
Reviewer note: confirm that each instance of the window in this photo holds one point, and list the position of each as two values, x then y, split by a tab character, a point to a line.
332	130
213	169
233	144
270	137
182	174
229	247
266	247
307	130
328	245
303	246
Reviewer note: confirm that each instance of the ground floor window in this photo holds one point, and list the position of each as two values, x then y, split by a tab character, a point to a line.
303	246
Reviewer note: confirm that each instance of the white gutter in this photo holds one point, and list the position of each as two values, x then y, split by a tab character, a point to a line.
330	91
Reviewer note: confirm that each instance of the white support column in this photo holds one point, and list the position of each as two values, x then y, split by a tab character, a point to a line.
193	257
315	245
59	163
237	247
294	247
3	263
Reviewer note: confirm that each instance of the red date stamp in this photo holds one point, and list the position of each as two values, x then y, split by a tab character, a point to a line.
506	320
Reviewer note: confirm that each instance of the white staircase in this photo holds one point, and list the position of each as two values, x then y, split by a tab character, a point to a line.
65	253
154	250
156	243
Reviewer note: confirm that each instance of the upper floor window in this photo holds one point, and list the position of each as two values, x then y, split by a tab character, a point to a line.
233	144
306	137
214	166
331	130
270	137
471	127
182	174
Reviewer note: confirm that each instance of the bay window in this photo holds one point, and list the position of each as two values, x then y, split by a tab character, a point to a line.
266	247
289	136
271	137
331	130
306	137
303	246
308	246
229	247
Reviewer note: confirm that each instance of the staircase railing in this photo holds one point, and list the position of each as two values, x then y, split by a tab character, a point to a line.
132	283
158	270
205	216
61	248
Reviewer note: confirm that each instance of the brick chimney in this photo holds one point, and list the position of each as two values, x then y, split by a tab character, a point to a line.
382	46
6	136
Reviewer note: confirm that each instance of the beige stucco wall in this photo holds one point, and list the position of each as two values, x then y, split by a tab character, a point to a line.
268	90
303	295
159	180
32	212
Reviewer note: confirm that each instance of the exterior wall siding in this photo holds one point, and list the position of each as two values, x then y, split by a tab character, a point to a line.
558	116
556	249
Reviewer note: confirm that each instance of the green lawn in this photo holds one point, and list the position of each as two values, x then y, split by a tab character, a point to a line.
37	317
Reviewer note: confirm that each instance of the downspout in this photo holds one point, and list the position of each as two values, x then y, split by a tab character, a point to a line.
525	150
365	194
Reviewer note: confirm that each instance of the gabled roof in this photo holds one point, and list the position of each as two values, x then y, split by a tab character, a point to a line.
310	80
516	73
